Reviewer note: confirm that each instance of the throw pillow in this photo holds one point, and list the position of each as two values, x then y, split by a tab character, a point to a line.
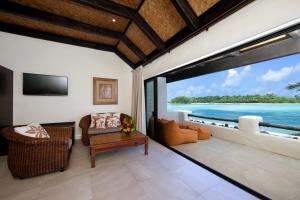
94	118
101	123
128	124
33	130
113	120
105	120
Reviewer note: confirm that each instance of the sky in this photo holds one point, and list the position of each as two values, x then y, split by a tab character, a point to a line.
262	78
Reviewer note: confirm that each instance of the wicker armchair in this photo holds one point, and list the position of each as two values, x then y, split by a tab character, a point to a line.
29	157
84	124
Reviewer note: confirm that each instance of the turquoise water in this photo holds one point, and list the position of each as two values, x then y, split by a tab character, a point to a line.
284	114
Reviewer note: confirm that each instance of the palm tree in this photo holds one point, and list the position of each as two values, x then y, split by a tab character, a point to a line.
295	86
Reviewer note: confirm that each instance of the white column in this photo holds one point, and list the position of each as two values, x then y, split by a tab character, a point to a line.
183	115
250	124
162	101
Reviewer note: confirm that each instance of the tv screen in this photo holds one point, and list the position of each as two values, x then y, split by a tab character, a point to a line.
47	85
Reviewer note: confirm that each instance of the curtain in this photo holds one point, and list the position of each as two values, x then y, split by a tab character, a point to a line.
137	97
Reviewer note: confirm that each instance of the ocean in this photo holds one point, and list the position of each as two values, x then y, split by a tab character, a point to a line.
282	114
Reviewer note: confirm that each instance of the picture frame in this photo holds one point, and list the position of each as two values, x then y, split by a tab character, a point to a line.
105	91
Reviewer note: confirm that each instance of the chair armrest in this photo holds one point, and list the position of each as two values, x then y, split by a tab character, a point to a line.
85	122
47	142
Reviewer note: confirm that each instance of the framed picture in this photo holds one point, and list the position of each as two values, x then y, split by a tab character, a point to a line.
105	91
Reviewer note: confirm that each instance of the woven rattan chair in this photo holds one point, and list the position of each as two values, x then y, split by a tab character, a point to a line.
28	157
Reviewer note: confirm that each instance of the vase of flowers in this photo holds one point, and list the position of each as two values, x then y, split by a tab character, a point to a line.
128	125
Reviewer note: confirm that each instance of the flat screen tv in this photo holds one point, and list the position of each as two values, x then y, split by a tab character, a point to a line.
45	85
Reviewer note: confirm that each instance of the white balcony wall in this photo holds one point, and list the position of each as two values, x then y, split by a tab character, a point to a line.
248	134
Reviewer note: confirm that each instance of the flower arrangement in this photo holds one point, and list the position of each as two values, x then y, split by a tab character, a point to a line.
128	125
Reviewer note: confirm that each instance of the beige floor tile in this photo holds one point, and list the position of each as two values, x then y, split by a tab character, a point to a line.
11	186
77	188
226	191
270	185
168	187
197	178
282	169
107	181
145	168
27	194
271	174
126	193
122	174
173	162
247	155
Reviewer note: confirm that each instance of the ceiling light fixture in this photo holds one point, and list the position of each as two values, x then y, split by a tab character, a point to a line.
113	20
264	43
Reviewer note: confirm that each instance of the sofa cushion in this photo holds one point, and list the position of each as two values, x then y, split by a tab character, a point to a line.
33	130
93	131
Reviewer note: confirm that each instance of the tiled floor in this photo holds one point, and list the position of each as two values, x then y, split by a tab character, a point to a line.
273	175
124	174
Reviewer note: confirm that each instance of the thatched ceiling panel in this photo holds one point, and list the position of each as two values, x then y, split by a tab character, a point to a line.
79	12
140	39
128	53
55	29
200	6
163	17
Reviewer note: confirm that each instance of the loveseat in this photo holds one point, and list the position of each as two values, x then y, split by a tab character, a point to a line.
85	122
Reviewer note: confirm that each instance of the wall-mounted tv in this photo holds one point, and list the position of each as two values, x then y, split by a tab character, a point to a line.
45	85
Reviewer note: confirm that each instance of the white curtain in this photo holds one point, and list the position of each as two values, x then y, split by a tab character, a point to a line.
137	97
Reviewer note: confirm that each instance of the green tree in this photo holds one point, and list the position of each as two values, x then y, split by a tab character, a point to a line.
269	98
295	86
181	99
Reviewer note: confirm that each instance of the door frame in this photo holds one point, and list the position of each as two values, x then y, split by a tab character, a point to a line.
154	79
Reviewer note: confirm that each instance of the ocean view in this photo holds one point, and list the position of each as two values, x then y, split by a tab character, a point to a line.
281	113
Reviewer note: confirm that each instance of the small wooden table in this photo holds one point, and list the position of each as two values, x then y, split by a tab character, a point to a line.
110	141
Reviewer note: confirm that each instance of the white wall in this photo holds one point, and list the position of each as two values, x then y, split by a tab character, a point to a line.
25	54
259	18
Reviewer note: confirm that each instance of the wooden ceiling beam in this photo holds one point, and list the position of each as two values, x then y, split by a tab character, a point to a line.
53	37
125	59
129	13
187	13
38	15
35	14
133	47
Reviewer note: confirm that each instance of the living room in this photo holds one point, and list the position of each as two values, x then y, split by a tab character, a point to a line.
106	56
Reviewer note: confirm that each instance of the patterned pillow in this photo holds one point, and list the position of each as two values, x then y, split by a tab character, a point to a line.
105	120
33	130
113	120
94	118
101	122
